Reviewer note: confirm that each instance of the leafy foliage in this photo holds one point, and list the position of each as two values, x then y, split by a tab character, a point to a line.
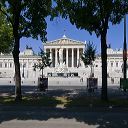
91	15
6	35
32	14
94	16
27	18
43	62
89	54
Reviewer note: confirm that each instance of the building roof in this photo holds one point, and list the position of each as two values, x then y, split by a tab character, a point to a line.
114	53
27	52
63	41
20	57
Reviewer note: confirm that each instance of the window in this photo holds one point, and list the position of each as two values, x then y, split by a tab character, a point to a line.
0	65
5	65
111	64
24	65
116	64
10	65
20	65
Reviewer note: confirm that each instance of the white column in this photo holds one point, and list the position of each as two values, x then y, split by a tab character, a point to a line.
27	68
62	56
78	57
8	64
51	55
56	60
27	63
67	57
82	61
72	57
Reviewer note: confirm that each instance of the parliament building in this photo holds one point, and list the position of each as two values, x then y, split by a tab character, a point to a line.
65	54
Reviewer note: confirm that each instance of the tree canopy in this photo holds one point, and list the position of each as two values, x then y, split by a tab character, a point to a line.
31	15
6	35
27	18
89	54
43	61
94	16
91	15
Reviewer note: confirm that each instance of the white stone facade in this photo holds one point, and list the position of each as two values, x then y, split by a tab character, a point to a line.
71	52
65	54
26	59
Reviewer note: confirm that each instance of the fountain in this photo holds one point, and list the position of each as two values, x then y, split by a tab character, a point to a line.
61	70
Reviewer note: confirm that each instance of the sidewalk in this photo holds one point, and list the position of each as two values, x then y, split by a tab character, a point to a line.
43	117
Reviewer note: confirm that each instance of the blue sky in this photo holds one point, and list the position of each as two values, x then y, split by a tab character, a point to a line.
55	30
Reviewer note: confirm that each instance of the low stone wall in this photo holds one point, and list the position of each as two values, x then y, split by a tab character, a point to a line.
60	81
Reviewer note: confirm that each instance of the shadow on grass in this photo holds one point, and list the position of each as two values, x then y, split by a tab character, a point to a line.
32	108
31	101
96	102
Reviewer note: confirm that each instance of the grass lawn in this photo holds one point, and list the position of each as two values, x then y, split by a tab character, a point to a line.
63	101
96	102
34	101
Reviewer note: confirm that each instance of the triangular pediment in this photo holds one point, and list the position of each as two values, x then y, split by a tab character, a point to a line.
64	41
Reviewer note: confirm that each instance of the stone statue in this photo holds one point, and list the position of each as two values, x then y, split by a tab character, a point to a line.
61	67
61	56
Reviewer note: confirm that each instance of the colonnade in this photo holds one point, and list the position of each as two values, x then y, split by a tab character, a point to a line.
70	56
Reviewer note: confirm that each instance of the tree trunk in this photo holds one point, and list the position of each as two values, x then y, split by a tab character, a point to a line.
125	52
16	17
18	96
104	65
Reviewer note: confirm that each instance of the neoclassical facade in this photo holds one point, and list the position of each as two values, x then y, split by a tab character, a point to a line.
68	50
65	54
27	58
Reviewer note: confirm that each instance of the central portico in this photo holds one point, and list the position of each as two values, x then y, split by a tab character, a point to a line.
65	52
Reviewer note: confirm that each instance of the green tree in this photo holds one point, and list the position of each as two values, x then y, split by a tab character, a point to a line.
94	16
43	61
89	56
6	36
27	18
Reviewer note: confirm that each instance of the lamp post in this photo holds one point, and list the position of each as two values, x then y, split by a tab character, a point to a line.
125	51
